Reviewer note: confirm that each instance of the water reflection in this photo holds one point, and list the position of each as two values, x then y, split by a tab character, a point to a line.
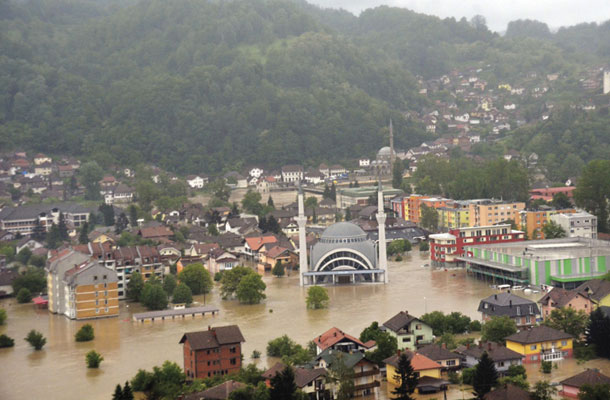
59	370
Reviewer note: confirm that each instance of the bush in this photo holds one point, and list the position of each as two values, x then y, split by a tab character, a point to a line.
256	354
317	297
2	316
584	353
453	376
85	333
36	339
6	341
94	359
218	276
475	326
468	375
424	246
515	370
24	295
182	294
546	367
278	269
153	296
398	258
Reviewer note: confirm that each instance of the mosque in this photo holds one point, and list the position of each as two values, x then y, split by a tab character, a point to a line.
344	254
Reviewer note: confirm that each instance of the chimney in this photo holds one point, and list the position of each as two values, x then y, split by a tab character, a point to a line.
467	346
510	303
443	345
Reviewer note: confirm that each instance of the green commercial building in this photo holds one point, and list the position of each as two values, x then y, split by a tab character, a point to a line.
563	262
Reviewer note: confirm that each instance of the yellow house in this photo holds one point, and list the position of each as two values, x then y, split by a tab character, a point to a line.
598	290
451	218
422	365
541	343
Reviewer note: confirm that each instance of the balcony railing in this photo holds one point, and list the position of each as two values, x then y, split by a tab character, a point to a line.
366	373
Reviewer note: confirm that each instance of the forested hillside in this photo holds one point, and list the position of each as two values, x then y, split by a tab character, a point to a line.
200	86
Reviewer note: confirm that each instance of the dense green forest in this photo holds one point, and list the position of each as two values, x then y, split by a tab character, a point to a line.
202	86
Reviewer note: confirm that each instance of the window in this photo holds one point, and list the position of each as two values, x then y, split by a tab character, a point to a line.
97	310
450	363
95	277
406	340
104	277
106	309
564	343
418	327
533	347
97	302
232	349
534	358
234	361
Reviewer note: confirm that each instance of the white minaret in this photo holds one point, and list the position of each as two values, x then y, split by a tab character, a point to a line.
383	257
301	220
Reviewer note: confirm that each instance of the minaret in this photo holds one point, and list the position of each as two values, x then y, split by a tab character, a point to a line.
301	220
383	257
392	156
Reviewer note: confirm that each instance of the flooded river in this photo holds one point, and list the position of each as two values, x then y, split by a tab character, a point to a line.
59	371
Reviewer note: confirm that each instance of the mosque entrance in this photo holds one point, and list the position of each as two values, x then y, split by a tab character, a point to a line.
344	279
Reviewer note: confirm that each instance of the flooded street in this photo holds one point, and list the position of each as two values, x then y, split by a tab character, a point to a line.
59	371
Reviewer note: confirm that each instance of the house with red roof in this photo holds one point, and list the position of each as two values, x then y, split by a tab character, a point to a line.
336	339
255	243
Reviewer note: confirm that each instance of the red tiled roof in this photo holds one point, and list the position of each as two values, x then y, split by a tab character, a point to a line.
419	362
255	243
334	336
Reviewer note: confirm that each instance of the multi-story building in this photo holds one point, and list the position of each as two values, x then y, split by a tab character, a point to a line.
24	219
366	375
216	351
455	216
361	195
547	194
579	224
532	221
486	212
413	205
561	298
445	247
565	262
523	311
541	343
56	268
292	173
410	331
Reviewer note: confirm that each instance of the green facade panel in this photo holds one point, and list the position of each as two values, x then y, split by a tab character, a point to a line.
567	267
601	264
547	272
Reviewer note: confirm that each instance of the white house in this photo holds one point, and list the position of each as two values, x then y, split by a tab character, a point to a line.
292	173
364	162
196	181
256	172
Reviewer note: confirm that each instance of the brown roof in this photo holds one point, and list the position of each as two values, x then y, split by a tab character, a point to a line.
437	353
558	297
588	377
399	321
496	351
213	337
538	334
508	392
155	232
302	376
218	392
596	289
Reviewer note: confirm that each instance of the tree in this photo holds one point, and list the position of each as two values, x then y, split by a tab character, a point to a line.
163	382
270	202
251	202
552	230
2	316
133	215
213	230
386	347
283	386
278	269
135	286
62	228
348	214
24	255
311	202
6	341
406	377
561	201
108	213
333	192
371	332
39	232
53	237
83	236
568	320
251	289
429	218
543	390
169	284
24	296
231	278
127	392
447	339
34	280
424	246
342	376
36	339
594	392
593	191
121	224
485	376
518	381
93	359
397	171
197	278
182	294
598	332
497	328
289	351
317	297
85	333
90	175
118	393
153	296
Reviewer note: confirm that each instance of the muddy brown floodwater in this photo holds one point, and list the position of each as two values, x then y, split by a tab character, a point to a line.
59	371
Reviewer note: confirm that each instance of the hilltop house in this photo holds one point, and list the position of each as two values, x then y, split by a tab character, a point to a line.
409	331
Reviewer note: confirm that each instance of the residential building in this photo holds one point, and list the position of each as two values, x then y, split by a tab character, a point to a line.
220	260
311	381
275	254
56	268
485	212
563	262
422	365
548	193
255	243
366	377
218	392
445	247
579	224
197	181
457	215
292	173
448	360
571	386
597	290
559	298
523	311
364	162
336	339
158	233
40	159
508	392
412	205
532	221
541	343
216	351
409	331
502	356
91	291
24	219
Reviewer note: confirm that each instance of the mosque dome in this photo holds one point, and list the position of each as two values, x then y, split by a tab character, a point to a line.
343	230
384	152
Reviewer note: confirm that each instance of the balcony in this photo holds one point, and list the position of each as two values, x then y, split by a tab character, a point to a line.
366	373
